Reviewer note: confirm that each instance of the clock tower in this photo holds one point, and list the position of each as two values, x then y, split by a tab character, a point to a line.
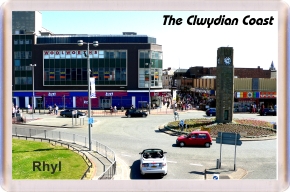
225	85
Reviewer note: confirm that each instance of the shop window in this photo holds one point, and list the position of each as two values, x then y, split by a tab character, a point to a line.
17	55
28	41
17	80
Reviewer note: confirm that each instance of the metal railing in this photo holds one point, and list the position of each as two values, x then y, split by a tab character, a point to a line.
74	139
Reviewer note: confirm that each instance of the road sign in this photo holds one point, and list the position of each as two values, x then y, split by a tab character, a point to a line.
216	177
229	135
228	141
229	138
91	120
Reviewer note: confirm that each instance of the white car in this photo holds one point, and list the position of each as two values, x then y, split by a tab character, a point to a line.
153	161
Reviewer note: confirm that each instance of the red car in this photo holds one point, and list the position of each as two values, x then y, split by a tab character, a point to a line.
195	138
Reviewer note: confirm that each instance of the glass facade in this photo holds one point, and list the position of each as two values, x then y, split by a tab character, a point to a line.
150	74
109	67
22	58
66	39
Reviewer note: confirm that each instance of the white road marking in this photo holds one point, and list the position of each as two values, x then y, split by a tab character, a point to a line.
196	164
171	161
126	155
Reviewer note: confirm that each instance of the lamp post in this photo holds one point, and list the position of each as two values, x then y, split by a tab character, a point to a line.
95	44
32	65
149	83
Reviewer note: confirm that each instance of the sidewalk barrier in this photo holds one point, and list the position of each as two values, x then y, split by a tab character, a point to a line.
71	140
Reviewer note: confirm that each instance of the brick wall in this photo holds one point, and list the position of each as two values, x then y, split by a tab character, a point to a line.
247	72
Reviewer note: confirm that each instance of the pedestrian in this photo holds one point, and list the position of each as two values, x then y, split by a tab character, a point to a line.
132	106
111	110
56	109
115	109
54	106
50	109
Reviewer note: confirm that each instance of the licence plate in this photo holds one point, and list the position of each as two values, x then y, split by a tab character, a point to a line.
153	166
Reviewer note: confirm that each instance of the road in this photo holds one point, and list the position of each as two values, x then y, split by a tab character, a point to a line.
129	136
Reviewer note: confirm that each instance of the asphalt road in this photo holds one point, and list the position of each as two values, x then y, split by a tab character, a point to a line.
129	136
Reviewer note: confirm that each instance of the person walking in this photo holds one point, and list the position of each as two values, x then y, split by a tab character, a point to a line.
56	109
111	110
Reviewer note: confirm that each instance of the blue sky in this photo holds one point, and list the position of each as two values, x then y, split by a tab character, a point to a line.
183	45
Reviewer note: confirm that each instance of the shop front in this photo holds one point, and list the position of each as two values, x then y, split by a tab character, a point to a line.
244	100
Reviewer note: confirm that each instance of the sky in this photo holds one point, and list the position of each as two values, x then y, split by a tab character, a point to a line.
183	45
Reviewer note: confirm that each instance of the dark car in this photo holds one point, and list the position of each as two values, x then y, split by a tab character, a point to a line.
135	113
68	113
268	111
211	112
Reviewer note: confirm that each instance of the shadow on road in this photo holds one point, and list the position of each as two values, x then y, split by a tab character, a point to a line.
197	172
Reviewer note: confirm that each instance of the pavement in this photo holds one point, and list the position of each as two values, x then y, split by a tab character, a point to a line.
100	163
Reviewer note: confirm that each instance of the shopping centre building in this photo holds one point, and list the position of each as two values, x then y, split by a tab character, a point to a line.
120	65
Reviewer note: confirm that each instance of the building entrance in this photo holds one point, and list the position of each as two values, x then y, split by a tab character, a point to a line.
106	102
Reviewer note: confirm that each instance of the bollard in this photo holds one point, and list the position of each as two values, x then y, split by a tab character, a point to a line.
217	163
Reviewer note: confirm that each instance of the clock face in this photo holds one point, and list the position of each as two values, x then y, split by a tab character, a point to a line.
227	60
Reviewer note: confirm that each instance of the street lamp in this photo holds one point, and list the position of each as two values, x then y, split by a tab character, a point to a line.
95	44
149	83
32	65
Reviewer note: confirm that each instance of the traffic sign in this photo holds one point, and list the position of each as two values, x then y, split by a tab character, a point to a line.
229	138
90	120
229	135
215	177
228	141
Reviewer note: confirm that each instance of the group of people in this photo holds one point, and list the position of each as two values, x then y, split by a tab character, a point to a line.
113	109
53	110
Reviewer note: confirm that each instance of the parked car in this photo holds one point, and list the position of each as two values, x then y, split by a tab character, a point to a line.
211	112
268	111
195	138
135	113
68	113
153	161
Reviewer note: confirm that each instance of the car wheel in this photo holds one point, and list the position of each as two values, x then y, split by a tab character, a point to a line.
181	144
210	115
207	145
265	114
143	115
63	115
129	116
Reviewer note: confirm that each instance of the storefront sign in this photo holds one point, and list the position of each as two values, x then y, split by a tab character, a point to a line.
152	94
255	94
63	54
111	94
52	94
203	91
267	94
247	94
